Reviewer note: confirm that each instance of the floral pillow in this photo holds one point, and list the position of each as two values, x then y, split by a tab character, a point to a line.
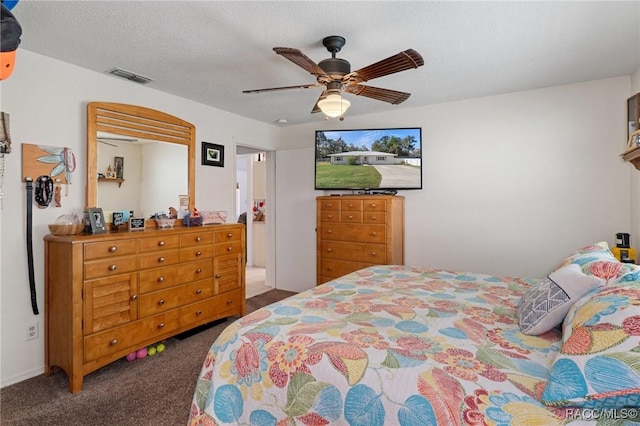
545	305
598	260
599	362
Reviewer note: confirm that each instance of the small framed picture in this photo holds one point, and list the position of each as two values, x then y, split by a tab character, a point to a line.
212	154
118	165
96	219
136	224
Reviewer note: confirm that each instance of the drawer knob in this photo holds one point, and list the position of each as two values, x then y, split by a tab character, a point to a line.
218	275
198	253
160	279
198	291
329	204
161	243
350	217
229	235
161	302
373	234
113	267
198	271
374	218
134	297
113	249
373	205
113	342
161	325
198	313
350	204
329	249
330	216
198	239
229	248
229	302
160	259
329	231
329	268
373	254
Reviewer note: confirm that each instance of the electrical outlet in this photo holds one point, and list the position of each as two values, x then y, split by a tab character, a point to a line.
32	331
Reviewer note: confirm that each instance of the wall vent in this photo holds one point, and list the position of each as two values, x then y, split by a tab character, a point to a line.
128	75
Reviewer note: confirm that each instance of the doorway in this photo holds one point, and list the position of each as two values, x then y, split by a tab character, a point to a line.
253	200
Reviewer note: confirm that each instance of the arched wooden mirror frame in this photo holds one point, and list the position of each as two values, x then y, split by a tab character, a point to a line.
139	122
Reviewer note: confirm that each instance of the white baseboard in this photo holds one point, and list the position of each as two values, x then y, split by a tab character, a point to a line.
7	381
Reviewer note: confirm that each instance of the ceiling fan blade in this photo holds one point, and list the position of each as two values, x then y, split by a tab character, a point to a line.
316	108
271	89
300	59
386	95
402	61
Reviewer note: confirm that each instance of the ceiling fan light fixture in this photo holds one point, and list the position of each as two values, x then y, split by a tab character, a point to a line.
334	105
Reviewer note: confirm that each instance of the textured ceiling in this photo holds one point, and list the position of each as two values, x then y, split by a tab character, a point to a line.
210	51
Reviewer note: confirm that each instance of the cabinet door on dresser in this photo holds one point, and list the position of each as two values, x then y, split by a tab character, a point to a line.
354	232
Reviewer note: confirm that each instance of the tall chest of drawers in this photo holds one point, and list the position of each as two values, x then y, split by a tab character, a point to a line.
356	231
109	295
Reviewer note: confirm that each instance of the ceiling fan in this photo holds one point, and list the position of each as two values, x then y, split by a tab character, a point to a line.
336	75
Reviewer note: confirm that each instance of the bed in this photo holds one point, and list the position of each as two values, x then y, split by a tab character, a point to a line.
421	346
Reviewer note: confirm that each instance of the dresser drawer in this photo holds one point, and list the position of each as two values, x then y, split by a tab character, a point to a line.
159	258
229	247
215	307
330	216
229	235
349	232
127	336
351	205
187	254
375	217
196	238
351	217
163	300
158	278
374	205
194	271
336	268
357	252
110	267
165	242
332	204
110	249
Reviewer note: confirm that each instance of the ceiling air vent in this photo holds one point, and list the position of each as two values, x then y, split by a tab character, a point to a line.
118	72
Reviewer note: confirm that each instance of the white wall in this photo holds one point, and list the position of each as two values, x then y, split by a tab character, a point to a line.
46	100
512	183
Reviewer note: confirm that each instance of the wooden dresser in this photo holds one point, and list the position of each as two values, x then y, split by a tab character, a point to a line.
109	295
356	231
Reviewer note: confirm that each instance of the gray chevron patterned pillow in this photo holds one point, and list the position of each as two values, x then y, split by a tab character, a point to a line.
545	305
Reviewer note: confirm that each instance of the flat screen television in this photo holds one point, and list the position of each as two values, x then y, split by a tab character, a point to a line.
366	160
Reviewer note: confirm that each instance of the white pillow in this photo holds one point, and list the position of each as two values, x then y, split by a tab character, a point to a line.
545	305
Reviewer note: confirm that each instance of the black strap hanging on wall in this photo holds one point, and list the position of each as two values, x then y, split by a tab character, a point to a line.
32	280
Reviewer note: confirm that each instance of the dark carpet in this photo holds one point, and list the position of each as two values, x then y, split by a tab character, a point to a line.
151	391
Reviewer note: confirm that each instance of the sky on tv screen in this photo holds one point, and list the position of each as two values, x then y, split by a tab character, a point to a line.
367	137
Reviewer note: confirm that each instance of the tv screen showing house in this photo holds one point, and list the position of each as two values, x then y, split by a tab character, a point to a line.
369	159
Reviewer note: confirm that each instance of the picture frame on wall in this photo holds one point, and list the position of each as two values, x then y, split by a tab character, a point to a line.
96	220
212	154
118	166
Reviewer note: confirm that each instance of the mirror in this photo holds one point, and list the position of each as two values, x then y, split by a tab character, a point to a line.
138	159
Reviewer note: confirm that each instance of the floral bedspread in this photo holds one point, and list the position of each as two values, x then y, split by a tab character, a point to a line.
383	345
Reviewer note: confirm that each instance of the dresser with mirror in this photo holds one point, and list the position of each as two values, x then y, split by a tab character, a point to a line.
109	295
